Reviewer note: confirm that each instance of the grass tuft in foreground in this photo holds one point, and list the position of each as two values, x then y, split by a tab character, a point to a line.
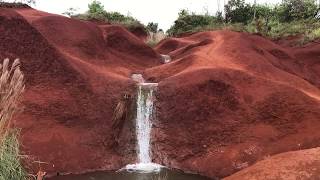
11	88
10	165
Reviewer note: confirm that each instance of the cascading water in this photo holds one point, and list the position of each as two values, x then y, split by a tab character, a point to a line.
143	122
144	169
145	107
165	58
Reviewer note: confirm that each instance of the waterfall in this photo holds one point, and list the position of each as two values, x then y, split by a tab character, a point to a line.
165	58
145	108
143	121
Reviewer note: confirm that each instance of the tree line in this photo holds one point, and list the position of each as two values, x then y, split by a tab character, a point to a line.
238	11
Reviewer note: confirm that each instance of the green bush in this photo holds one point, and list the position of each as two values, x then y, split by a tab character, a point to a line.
313	33
237	11
290	10
96	7
152	27
97	12
263	10
191	22
10	165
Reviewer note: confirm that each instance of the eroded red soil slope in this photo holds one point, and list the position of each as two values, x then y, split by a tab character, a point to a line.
303	165
229	99
76	73
226	101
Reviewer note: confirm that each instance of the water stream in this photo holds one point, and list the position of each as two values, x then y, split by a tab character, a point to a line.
144	169
143	122
144	116
165	174
165	58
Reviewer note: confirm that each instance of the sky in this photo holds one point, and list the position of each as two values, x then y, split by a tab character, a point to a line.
163	12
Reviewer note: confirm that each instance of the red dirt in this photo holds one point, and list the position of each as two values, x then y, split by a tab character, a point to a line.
303	165
76	73
229	99
226	100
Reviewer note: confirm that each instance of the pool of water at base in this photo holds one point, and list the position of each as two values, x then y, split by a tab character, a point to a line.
164	174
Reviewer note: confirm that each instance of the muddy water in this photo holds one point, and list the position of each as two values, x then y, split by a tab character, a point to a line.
124	175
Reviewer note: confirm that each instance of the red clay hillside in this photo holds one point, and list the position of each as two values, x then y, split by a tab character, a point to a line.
226	101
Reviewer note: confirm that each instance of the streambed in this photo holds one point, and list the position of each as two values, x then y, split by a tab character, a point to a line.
164	174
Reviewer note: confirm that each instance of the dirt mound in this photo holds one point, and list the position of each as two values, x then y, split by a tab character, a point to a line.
75	76
229	99
302	165
93	43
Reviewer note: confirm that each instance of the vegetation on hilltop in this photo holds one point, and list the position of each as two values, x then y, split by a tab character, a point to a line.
291	17
96	11
155	34
17	4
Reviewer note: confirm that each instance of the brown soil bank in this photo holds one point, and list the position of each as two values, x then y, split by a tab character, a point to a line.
231	99
226	101
303	165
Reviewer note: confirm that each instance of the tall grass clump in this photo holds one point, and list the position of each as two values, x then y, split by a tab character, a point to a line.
314	34
11	88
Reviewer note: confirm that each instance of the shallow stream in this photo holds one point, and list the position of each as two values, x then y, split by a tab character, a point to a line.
164	174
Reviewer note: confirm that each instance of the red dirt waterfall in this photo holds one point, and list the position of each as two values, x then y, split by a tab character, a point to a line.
144	116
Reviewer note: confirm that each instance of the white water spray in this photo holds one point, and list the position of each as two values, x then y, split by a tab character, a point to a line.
145	107
165	58
143	122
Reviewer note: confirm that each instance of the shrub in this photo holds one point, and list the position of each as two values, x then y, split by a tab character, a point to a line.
191	22
152	27
312	34
237	11
13	5
264	11
96	7
21	2
290	10
10	165
97	12
315	34
281	29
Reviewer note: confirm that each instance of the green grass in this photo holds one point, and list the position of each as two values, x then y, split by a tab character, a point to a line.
308	29
10	159
311	36
11	88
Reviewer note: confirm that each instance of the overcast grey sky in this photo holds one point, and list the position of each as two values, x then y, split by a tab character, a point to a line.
163	12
